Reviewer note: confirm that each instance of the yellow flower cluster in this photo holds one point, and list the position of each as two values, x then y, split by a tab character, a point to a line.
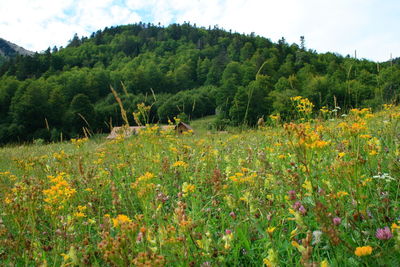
307	186
8	174
276	117
228	238
339	194
306	135
121	219
365	112
80	213
388	106
100	158
60	192
365	136
186	188
180	163
143	185
242	177
17	193
149	130
374	146
272	259
303	105
79	142
357	127
363	251
324	110
59	156
145	177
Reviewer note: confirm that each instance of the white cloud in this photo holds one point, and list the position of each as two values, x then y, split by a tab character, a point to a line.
39	24
368	26
24	22
338	26
138	4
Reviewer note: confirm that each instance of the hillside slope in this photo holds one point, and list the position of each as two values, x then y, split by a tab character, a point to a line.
177	70
8	49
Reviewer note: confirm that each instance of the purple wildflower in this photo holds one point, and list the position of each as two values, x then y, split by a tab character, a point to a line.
232	214
384	233
297	205
337	220
302	210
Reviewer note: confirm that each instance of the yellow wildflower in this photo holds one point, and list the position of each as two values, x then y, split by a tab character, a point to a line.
307	185
267	262
342	194
186	188
324	263
363	251
368	116
121	220
142	179
298	246
65	256
270	230
79	214
293	233
275	117
373	152
59	192
272	259
79	142
366	181
388	106
82	208
228	238
324	110
180	163
395	226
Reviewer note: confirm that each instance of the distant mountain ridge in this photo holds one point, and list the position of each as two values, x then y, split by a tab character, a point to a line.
8	49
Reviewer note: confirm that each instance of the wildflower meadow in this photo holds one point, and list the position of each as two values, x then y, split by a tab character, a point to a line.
321	190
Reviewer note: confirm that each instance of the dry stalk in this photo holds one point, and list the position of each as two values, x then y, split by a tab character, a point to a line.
123	112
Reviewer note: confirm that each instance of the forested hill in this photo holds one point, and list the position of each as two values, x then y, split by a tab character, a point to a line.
179	69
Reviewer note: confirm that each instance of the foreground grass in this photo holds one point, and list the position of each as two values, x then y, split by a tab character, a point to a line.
314	193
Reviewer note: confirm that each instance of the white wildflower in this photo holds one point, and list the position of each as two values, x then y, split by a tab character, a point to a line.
316	237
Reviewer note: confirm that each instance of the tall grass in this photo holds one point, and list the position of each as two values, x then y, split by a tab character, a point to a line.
313	192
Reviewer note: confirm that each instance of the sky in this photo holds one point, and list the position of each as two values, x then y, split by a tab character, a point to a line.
369	27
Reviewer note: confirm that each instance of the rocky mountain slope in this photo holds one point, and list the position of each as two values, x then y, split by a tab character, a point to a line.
8	49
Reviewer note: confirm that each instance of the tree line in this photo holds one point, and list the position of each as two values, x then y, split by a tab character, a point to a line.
179	69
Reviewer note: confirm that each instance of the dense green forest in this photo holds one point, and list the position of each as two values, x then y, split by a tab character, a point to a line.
2	60
177	70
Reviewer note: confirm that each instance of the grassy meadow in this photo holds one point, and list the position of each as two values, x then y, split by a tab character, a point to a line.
321	191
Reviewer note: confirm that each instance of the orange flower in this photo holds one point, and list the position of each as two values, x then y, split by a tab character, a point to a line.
363	251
